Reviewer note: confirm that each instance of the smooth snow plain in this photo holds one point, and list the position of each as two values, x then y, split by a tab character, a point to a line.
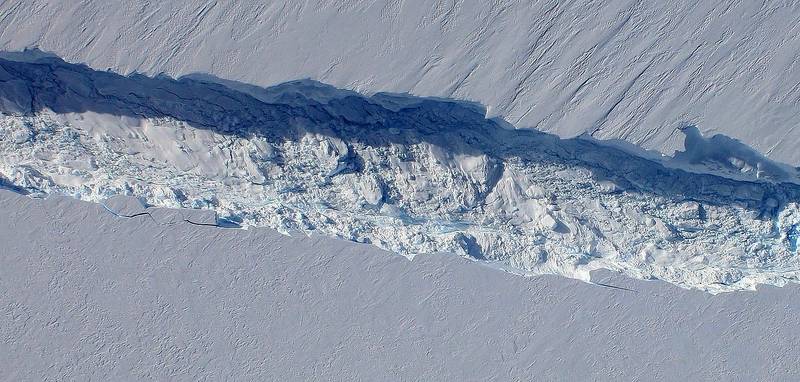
630	70
91	296
408	174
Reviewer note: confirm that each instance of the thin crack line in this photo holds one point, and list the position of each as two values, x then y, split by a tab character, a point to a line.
614	287
148	214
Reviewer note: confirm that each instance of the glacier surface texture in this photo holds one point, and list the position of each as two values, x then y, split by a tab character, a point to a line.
89	296
409	174
629	70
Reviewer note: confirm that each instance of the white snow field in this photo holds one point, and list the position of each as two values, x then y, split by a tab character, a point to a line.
254	167
619	69
408	174
88	296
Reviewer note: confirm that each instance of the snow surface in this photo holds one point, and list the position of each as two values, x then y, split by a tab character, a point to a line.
620	69
412	175
89	296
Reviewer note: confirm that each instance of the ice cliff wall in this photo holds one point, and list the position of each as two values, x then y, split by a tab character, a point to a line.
628	70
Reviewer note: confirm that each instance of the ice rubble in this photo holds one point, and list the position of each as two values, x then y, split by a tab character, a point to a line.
411	175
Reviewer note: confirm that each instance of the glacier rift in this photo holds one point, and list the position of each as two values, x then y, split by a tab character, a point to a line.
412	175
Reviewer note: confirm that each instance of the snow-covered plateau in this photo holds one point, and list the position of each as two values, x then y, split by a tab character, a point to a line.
631	70
409	174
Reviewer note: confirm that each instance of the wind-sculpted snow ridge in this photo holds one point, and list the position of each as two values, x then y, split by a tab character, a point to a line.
618	69
412	175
